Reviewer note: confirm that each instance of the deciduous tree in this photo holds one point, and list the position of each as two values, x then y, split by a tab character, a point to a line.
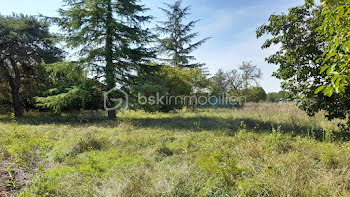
250	74
301	47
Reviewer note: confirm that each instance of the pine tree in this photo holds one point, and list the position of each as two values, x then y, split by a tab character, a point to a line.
25	43
178	43
109	36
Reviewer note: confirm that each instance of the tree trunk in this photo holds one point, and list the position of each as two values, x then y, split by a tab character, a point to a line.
112	114
15	84
16	101
110	70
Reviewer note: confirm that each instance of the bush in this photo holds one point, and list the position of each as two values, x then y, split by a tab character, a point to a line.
255	94
86	96
167	81
274	97
71	89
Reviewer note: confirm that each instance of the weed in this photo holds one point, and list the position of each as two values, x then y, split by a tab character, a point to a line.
258	150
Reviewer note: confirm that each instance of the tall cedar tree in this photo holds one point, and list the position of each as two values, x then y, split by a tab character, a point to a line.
25	43
110	38
178	41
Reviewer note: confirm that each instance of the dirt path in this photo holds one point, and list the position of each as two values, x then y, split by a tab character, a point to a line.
12	179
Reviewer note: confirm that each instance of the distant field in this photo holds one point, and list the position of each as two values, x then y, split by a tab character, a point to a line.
259	150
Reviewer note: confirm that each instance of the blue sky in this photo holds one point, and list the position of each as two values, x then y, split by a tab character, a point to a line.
230	23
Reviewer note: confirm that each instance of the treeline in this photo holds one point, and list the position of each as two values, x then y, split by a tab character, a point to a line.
113	49
116	49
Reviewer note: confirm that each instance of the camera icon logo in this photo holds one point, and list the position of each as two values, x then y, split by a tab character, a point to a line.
116	99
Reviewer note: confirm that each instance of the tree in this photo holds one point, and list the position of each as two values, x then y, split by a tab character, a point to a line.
172	86
234	80
25	42
110	36
274	97
299	68
219	84
255	94
200	85
34	83
178	41
250	74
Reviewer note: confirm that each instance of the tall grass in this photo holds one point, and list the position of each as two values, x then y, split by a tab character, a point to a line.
259	150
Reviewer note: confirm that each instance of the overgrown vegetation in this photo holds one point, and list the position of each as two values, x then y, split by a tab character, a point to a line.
64	146
260	150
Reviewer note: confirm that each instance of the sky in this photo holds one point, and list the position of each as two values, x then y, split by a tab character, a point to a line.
231	24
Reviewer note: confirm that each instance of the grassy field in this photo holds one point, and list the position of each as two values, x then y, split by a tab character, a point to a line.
259	150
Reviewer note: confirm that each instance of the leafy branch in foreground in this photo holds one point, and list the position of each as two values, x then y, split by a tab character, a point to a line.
300	68
336	58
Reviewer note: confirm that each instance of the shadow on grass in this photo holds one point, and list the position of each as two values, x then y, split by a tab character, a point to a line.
194	124
74	119
229	125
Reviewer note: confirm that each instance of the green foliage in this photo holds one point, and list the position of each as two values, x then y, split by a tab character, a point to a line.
219	84
35	85
72	90
174	83
178	80
110	36
239	84
335	59
5	97
255	94
66	73
22	31
274	97
86	96
300	69
25	43
178	42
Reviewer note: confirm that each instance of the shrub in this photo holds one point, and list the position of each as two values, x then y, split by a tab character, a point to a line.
71	90
167	81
